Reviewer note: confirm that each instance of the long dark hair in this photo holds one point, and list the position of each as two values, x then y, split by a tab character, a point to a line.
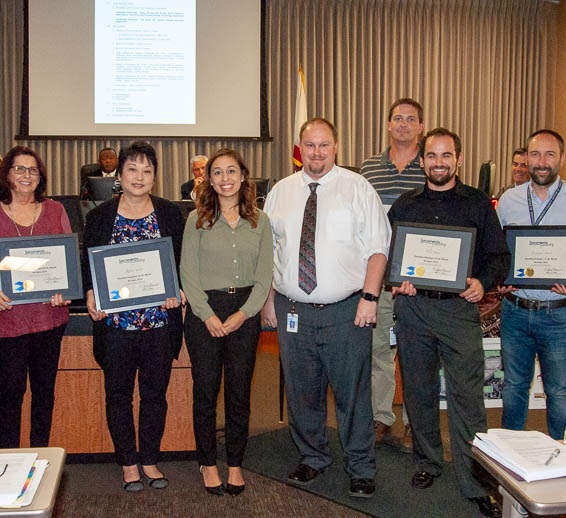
208	206
7	164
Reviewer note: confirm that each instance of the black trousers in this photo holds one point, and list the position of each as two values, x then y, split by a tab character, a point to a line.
38	354
236	353
428	332
147	353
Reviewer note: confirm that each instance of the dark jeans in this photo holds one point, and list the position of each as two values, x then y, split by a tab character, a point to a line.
328	348
236	353
38	354
147	353
428	332
524	334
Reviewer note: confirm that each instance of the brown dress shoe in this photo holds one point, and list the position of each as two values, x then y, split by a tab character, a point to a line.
381	430
488	506
422	479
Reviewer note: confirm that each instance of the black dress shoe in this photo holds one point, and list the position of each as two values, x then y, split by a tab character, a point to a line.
362	487
234	490
213	490
487	506
303	475
422	479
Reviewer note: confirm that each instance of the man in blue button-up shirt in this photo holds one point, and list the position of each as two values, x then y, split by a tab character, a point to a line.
534	321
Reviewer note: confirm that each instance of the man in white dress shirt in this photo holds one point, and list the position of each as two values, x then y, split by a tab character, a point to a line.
328	268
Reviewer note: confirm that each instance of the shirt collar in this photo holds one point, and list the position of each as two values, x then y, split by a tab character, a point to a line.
321	181
387	158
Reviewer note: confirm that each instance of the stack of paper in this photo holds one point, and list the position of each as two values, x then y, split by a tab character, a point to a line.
531	455
21	476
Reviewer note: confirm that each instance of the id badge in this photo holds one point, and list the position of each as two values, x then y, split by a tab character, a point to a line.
392	337
292	322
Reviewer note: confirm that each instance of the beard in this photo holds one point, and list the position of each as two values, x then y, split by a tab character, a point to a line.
440	180
315	170
545	180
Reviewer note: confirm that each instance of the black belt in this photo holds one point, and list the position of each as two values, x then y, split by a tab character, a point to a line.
437	295
322	306
232	291
534	304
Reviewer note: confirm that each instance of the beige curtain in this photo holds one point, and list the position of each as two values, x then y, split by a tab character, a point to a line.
482	68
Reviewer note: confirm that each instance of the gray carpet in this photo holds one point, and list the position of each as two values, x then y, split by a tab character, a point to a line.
274	455
95	491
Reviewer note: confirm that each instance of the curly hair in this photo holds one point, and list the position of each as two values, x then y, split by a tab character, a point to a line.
6	165
208	206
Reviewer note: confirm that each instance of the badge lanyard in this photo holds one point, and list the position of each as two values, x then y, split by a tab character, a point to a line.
546	207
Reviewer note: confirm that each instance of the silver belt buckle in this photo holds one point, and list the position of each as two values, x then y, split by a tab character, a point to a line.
231	290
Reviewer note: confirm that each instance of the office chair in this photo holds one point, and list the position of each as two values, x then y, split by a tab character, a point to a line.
486	177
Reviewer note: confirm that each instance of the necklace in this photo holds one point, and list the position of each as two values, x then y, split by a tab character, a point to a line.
232	223
16	225
235	210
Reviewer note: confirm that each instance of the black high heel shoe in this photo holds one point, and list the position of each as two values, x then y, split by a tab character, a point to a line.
234	490
213	490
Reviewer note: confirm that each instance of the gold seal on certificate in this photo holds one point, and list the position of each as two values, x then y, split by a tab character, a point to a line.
49	273
430	256
124	292
33	268
133	275
538	256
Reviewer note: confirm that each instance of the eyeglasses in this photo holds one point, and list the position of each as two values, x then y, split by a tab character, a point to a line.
3	470
21	170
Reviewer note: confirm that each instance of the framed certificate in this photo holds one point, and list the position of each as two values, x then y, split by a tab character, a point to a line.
431	257
538	256
133	275
33	268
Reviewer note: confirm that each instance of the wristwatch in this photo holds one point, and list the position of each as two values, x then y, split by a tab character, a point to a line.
369	296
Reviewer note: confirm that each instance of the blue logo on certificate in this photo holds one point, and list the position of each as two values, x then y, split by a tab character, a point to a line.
122	293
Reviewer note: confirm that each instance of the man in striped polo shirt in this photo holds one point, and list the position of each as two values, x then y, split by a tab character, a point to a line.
394	171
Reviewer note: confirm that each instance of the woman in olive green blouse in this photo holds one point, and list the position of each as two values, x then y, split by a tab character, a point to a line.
226	268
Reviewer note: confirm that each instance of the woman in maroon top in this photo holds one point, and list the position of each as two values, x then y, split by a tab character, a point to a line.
30	334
